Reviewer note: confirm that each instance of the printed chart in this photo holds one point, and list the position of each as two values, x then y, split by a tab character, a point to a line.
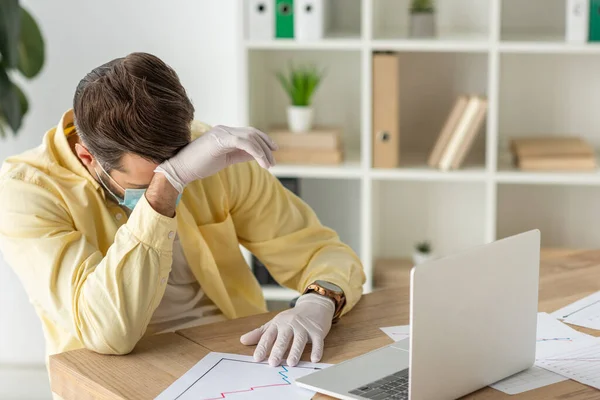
229	376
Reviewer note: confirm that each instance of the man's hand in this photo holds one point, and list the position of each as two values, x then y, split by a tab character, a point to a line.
216	149
310	321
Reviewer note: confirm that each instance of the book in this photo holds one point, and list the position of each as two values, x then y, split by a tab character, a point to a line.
577	22
284	19
472	131
557	164
308	156
530	147
460	133
447	130
553	153
318	139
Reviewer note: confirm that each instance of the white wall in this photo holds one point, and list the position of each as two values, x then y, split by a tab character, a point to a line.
198	38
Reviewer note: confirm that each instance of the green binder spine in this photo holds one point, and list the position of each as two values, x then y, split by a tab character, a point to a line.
594	31
284	19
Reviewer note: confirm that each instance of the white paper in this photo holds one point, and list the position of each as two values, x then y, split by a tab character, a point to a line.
553	337
533	378
230	376
397	333
584	312
581	365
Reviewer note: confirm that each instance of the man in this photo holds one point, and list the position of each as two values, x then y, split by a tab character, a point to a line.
127	221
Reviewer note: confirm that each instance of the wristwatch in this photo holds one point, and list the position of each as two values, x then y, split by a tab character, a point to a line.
334	292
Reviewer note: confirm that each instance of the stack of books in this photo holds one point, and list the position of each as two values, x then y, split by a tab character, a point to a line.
459	132
317	147
553	154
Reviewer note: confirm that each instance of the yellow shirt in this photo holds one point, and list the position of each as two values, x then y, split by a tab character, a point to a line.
95	276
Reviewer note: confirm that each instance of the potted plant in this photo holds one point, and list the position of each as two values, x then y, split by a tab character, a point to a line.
422	19
22	50
422	253
300	84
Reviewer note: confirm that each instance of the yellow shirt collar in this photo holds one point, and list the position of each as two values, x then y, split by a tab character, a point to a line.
63	153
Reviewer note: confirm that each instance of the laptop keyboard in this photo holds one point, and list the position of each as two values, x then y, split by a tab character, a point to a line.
392	387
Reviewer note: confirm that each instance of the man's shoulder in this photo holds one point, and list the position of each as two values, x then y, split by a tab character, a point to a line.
198	128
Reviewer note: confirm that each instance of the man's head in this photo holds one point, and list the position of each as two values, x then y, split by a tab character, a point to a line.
131	114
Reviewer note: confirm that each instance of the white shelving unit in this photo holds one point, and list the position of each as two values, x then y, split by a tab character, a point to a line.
509	50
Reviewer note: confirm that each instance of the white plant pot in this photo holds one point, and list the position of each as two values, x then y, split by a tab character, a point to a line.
420	258
422	25
300	119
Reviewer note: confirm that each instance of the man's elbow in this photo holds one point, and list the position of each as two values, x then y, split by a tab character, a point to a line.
120	347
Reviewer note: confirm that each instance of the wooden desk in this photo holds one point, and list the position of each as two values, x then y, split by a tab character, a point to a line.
159	360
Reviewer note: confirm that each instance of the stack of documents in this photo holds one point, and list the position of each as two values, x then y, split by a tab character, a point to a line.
553	339
562	353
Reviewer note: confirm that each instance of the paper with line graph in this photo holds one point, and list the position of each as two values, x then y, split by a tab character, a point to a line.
553	337
584	312
582	364
230	376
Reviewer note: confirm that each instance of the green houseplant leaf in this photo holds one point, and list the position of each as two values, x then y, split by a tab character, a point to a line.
10	105
21	49
10	29
422	6
300	84
31	46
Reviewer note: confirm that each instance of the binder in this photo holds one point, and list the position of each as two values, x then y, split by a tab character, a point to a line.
310	17
594	21
261	19
577	21
472	131
386	109
447	131
459	134
284	19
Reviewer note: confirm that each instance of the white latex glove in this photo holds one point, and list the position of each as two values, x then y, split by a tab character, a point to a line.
216	149
310	320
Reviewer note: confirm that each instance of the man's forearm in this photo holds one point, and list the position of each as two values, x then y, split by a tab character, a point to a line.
162	196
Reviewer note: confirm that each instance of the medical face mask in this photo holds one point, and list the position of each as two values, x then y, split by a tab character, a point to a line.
132	196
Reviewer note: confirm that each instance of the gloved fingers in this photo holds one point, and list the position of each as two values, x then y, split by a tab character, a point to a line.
251	147
251	338
300	340
265	343
263	144
270	143
318	343
284	337
238	156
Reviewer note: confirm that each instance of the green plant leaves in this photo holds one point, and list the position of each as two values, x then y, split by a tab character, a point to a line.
300	84
422	6
10	29
22	48
31	46
10	105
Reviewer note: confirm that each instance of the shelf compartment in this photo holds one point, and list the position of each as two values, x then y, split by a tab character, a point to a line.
336	103
430	83
533	20
459	20
561	213
451	215
547	95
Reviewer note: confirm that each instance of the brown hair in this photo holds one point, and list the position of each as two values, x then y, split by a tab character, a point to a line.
135	104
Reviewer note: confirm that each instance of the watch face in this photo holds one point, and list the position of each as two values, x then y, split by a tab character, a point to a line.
329	286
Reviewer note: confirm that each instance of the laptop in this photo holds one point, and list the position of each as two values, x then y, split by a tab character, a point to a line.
473	320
